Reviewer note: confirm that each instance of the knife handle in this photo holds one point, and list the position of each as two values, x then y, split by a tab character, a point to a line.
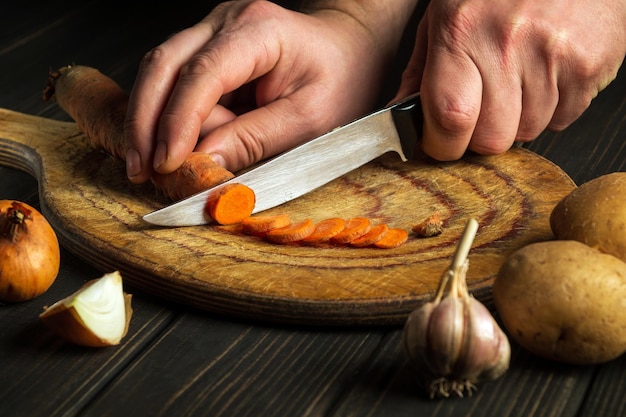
409	120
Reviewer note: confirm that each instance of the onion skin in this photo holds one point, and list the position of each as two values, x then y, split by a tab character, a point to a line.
67	324
30	256
69	318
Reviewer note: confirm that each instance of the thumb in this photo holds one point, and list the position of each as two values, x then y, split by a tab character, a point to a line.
259	134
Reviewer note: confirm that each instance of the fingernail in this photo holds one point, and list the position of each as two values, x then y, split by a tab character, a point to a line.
133	163
218	159
160	155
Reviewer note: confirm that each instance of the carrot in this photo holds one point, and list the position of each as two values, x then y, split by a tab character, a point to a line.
325	230
432	226
98	106
259	225
355	227
376	233
197	173
231	204
292	233
393	238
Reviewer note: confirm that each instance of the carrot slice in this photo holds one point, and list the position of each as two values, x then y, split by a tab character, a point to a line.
259	225
393	238
355	228
231	204
292	233
376	233
325	230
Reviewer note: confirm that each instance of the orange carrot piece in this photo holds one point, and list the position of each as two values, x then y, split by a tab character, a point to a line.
197	173
231	204
432	226
376	233
292	233
393	238
355	228
325	230
98	106
259	225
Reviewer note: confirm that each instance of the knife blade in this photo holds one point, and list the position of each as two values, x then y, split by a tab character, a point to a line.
395	128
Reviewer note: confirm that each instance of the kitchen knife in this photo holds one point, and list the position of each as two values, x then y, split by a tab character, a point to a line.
309	166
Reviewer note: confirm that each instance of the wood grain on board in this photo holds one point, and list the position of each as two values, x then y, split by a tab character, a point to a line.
97	214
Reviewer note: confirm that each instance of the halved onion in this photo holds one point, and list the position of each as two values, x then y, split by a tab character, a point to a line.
96	315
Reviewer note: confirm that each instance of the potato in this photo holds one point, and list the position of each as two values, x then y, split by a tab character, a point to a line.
595	214
564	301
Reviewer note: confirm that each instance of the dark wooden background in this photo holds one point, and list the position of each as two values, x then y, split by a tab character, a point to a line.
177	361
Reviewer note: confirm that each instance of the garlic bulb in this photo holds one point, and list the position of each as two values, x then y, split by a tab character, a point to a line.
453	340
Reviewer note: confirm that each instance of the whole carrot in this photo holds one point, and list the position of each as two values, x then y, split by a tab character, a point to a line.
98	106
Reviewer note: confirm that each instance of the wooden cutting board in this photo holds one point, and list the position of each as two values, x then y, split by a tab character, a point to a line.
97	215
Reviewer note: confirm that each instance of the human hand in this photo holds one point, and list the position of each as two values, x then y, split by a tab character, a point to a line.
251	80
491	73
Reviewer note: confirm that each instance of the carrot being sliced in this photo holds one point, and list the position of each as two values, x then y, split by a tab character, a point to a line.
393	238
325	230
197	173
355	228
376	233
231	204
292	233
259	225
98	105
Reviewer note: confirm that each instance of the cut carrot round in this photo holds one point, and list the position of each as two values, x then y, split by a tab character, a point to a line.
325	230
231	204
259	225
393	238
376	233
355	228
292	233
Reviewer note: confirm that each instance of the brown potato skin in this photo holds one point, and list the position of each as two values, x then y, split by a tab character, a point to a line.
594	214
564	301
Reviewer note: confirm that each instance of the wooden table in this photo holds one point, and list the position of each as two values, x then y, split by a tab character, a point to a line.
179	361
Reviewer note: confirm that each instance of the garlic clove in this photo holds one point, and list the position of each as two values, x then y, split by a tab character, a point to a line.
487	350
96	315
415	338
445	333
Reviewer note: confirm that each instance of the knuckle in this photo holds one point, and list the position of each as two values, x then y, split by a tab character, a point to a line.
156	58
258	7
455	117
202	66
253	13
252	149
199	64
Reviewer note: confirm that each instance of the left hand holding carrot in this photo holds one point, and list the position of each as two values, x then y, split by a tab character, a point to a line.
253	79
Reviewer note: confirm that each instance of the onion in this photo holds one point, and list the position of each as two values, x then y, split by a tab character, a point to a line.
96	315
29	252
